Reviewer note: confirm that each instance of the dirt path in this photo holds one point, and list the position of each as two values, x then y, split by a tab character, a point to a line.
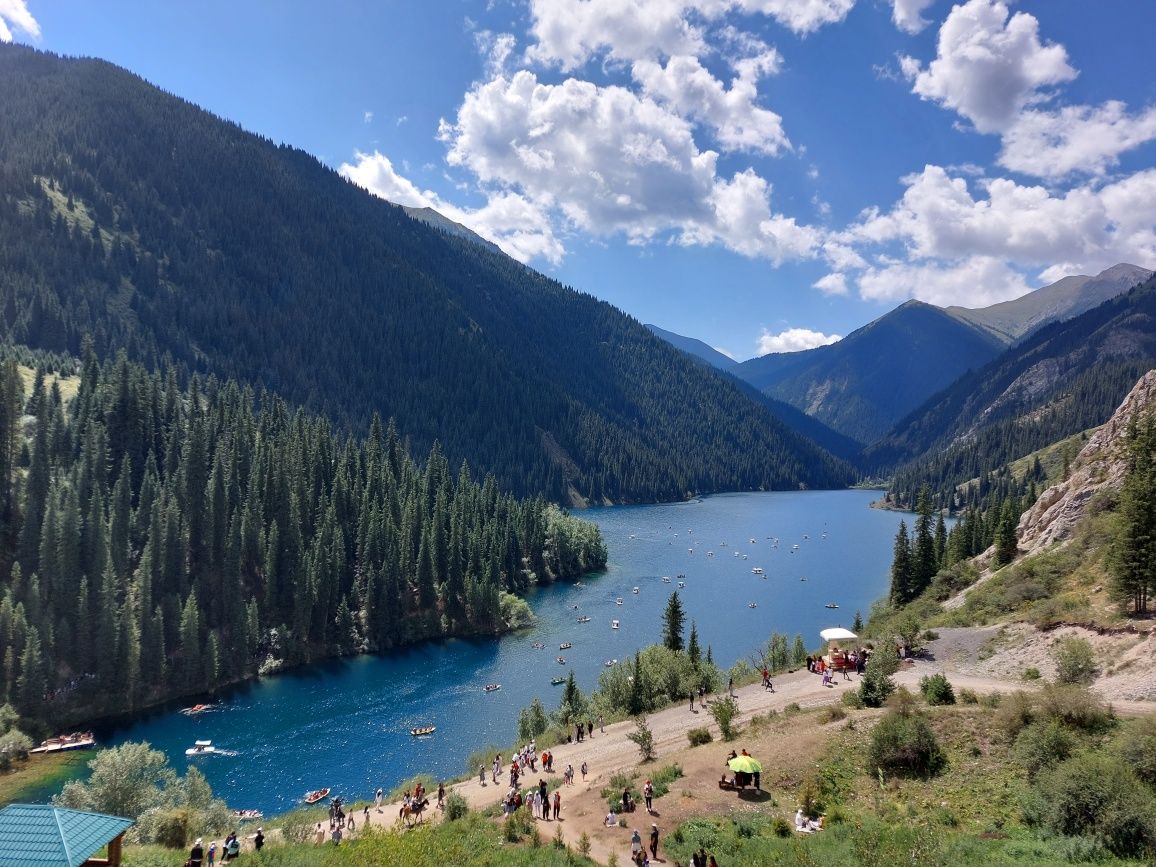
609	752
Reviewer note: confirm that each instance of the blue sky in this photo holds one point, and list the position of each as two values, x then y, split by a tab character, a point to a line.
761	174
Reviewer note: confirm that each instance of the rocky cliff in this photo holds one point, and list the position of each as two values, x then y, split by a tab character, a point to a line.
1100	465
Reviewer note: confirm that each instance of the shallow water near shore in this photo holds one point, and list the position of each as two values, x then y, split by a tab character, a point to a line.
345	724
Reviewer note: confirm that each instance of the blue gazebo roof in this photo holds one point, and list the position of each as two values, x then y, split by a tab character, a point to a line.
39	835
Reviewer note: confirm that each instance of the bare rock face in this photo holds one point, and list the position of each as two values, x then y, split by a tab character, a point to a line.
1100	465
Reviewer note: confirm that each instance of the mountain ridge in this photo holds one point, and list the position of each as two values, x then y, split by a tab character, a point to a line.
135	220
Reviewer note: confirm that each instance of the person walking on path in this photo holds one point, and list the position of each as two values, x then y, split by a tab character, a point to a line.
197	853
259	840
601	725
585	768
378	797
648	795
441	795
635	845
654	841
557	806
212	854
731	687
692	701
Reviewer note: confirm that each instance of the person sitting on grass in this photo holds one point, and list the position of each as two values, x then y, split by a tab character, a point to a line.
611	820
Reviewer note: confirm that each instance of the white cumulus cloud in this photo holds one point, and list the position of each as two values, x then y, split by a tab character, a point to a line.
793	340
685	85
908	14
989	66
1078	138
610	161
14	14
993	69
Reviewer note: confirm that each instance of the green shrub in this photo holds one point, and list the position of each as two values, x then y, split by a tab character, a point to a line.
1075	706
877	685
456	807
699	736
1075	661
170	828
643	738
1013	714
1032	673
724	711
852	699
831	713
780	827
1137	747
793	707
905	746
968	696
1097	796
937	689
1042	744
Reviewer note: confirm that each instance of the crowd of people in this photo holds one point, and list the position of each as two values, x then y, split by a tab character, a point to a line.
229	849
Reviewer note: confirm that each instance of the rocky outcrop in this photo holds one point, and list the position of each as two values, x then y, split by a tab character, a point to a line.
1100	465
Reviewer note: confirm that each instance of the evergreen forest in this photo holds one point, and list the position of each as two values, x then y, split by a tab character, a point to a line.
156	542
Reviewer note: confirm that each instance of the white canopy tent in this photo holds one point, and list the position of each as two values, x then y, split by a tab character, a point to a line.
838	633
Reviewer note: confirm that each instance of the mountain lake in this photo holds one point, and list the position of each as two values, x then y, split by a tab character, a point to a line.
345	724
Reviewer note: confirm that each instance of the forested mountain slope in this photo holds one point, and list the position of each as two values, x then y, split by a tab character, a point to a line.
155	543
132	216
1068	377
834	442
864	383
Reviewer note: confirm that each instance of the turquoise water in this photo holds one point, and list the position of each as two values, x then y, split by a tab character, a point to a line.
345	724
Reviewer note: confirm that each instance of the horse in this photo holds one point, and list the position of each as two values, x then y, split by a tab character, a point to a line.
413	808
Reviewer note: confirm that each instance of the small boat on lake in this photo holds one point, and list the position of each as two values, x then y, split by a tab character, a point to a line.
830	605
585	618
316	795
618	601
538	645
491	687
757	571
554	681
613	624
62	743
561	660
635	590
665	579
752	605
423	730
610	663
248	815
195	709
565	645
201	748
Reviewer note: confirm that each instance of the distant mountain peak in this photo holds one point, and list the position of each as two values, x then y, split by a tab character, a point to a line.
1013	320
440	221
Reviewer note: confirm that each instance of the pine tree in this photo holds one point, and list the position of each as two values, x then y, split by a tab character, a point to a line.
924	562
901	568
1133	559
1005	534
673	620
692	649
